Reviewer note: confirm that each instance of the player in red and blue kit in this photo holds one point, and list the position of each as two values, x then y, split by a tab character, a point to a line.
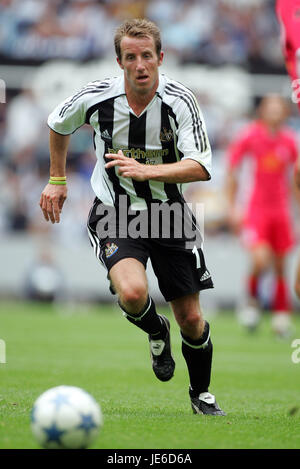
265	225
288	13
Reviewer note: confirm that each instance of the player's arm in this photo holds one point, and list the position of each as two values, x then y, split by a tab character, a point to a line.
296	183
63	121
54	196
236	152
231	189
191	142
184	171
297	173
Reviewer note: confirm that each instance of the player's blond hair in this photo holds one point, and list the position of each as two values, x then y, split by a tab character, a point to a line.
137	28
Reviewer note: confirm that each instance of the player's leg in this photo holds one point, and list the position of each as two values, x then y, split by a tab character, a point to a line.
125	260
282	241
181	274
261	257
281	300
129	281
197	350
281	307
255	238
196	343
260	261
128	277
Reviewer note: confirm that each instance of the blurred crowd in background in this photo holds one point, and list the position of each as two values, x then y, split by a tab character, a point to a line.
212	32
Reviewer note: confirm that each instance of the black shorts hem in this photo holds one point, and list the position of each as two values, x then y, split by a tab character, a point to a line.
125	256
191	292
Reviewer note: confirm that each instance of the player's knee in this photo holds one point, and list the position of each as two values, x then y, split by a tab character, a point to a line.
191	323
260	266
261	260
133	297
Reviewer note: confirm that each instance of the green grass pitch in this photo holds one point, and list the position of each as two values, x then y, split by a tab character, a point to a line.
254	380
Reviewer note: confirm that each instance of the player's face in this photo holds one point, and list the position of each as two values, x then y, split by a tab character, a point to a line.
273	110
140	63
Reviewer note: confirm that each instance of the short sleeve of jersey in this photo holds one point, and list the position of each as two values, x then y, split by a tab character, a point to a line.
193	140
69	115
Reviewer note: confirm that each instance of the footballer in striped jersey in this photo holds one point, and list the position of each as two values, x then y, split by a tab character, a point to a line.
150	139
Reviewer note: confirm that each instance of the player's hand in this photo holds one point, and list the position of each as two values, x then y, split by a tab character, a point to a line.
128	167
52	200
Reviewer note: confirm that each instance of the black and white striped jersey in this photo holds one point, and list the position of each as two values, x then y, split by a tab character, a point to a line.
169	129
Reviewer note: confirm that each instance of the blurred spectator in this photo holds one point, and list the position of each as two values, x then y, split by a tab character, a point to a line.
93	23
24	124
44	281
214	32
13	215
124	9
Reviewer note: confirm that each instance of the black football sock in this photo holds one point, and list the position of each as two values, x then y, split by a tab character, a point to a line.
148	320
198	357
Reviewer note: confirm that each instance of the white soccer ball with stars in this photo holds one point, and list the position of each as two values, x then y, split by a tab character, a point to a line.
66	417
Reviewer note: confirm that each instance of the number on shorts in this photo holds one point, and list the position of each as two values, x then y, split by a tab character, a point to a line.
198	262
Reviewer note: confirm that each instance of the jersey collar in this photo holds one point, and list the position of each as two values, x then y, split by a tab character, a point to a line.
161	85
159	91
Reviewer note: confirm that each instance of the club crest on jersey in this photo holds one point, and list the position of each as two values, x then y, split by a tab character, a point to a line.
166	135
110	249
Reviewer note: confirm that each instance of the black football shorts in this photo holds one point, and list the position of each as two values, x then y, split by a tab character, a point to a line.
180	270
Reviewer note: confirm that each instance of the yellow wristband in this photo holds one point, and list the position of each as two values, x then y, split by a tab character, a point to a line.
58	183
58	178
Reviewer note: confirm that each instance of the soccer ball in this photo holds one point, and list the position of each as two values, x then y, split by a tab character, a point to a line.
66	417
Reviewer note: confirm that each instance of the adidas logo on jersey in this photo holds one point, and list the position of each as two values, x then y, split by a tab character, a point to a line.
105	136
